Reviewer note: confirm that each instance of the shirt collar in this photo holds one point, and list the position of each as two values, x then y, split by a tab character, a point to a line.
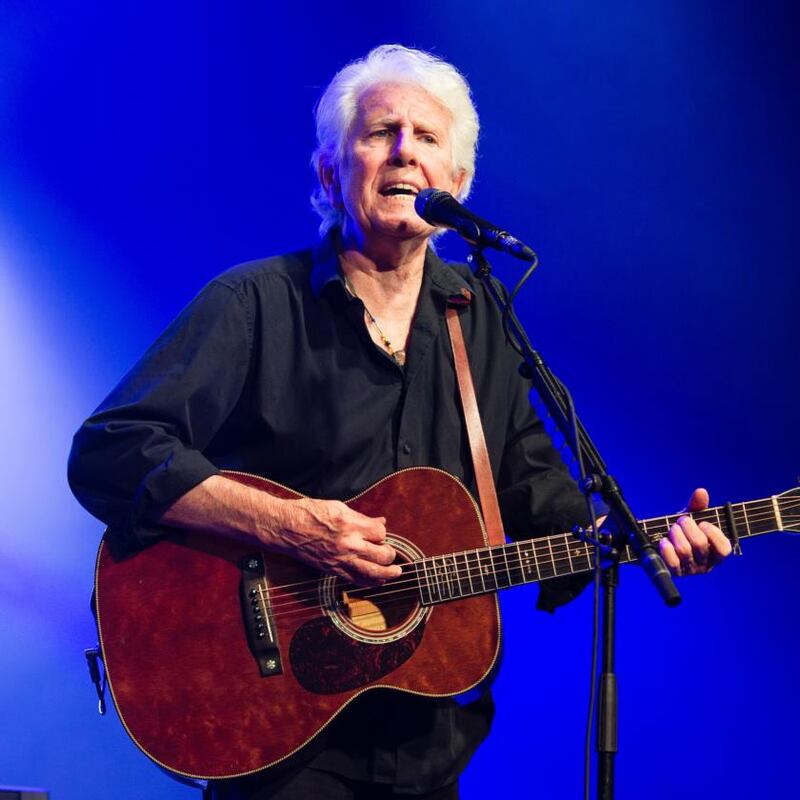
325	260
446	281
443	279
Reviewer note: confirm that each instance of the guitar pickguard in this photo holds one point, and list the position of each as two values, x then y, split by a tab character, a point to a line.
325	660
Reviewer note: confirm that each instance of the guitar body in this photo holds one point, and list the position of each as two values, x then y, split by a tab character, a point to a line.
182	671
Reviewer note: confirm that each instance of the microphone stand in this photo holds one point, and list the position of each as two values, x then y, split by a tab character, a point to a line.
624	530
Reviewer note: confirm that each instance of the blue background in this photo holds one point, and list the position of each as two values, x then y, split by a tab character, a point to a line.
647	150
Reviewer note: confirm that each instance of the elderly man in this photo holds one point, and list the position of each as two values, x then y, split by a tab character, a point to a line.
326	370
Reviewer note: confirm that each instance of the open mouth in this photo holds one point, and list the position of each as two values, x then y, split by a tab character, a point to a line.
399	190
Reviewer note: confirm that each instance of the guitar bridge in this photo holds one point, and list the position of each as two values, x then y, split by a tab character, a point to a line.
257	616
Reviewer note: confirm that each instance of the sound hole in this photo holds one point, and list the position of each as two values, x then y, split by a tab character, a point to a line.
377	609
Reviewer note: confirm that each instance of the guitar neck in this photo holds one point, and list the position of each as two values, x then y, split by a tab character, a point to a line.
471	572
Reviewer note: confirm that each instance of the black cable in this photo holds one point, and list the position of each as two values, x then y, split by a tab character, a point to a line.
593	674
510	303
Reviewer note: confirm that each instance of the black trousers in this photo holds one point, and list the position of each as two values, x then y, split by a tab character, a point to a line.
313	784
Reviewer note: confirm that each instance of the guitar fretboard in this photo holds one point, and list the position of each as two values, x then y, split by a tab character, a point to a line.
471	572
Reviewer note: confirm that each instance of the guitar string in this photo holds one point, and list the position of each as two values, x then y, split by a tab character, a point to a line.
413	578
562	554
395	598
662	530
559	543
412	585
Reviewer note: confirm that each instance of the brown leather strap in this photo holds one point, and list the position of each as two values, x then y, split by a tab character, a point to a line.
477	442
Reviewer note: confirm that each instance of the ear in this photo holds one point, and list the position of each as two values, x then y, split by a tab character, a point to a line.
458	182
328	176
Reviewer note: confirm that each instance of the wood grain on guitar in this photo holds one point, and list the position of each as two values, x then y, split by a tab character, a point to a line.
213	680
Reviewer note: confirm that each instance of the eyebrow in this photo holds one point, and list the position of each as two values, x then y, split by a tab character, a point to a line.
392	119
386	119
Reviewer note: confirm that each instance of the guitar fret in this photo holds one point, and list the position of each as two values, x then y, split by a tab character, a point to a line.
569	555
535	560
427	585
436	595
579	560
459	575
545	562
517	569
776	509
447	563
528	561
560	565
468	570
458	572
746	520
488	574
499	573
480	570
451	576
523	564
493	565
629	555
437	574
552	557
508	569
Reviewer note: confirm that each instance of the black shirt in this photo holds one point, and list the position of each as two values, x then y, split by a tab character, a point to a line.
271	370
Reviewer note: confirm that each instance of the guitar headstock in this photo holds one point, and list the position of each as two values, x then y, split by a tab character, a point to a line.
789	507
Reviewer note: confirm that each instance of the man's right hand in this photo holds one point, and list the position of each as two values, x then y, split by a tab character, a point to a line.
324	534
332	537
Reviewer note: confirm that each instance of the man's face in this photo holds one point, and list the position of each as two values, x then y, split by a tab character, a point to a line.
399	144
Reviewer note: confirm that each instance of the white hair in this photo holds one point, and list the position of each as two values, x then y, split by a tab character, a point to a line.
390	63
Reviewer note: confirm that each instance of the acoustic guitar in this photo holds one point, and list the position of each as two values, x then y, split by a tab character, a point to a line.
223	660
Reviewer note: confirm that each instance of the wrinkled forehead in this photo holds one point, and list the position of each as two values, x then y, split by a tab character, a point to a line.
402	101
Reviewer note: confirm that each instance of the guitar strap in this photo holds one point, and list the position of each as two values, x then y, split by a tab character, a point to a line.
472	419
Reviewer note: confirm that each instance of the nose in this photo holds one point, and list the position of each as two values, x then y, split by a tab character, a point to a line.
403	151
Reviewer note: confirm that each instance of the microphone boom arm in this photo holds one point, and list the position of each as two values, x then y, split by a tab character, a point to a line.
554	396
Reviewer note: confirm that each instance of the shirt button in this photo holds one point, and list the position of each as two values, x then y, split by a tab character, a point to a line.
406	448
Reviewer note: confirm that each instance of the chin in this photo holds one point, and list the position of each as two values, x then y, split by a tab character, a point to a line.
405	227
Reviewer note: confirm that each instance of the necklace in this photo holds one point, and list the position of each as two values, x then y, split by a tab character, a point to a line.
398	356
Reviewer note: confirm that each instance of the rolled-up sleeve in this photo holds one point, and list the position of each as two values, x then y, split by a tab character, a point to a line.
143	447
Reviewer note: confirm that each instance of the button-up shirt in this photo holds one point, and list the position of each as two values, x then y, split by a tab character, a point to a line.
271	370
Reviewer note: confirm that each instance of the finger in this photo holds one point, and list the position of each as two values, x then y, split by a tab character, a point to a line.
670	556
383	554
697	539
366	573
698	501
373	529
677	537
720	545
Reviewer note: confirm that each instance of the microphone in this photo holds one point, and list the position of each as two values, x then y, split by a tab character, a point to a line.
440	208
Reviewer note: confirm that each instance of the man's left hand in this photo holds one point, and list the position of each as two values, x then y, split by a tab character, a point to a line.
692	548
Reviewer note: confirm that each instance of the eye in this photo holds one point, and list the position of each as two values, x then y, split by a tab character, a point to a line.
428	138
380	133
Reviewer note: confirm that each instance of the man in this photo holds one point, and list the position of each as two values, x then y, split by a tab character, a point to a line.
326	370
